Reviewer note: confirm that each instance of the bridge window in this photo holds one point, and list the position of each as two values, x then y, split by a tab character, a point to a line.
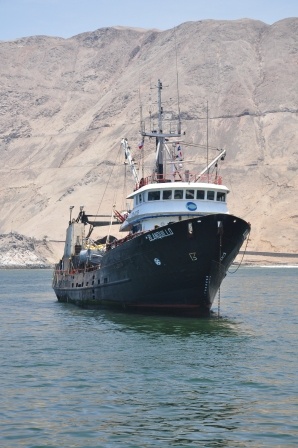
178	194
167	194
137	228
221	196
190	194
210	195
138	199
200	194
154	195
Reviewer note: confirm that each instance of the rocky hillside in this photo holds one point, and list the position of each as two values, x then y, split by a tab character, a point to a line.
18	251
65	104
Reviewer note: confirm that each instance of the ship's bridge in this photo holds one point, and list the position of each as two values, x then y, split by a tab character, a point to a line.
161	203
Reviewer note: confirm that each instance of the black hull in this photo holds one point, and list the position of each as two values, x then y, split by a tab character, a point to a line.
177	269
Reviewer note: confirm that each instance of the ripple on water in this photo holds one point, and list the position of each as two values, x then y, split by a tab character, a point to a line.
83	378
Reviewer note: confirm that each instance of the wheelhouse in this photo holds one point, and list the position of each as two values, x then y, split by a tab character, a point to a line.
155	205
159	193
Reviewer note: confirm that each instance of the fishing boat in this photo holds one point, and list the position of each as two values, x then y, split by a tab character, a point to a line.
179	242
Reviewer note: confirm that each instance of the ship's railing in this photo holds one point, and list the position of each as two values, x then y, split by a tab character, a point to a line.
187	176
72	271
59	271
128	237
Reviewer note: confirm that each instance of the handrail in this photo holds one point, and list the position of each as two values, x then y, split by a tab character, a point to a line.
186	177
76	270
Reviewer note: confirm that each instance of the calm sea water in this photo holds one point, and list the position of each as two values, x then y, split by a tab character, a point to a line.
81	378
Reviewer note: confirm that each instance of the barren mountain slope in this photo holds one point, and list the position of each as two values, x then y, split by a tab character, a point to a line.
66	103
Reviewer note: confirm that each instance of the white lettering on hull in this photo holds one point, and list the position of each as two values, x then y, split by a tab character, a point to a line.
193	256
159	234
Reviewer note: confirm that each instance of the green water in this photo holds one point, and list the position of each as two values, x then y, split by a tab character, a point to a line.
77	378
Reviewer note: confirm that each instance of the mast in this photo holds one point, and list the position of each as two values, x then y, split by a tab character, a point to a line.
207	142
161	137
160	141
142	129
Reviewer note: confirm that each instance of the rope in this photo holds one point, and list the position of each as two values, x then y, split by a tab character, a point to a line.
107	184
233	272
115	197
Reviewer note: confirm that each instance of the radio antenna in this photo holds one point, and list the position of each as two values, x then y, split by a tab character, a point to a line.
177	85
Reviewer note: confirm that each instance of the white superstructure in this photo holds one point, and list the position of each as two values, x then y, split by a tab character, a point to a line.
175	195
158	204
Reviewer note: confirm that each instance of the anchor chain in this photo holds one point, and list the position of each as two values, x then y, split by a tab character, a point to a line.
247	240
218	304
220	247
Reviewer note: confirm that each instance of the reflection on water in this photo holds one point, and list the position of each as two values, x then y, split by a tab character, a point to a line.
167	325
73	377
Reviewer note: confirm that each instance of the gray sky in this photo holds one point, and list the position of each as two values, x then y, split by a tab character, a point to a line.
66	18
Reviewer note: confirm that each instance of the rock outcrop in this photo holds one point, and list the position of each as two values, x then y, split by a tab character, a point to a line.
65	104
19	251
